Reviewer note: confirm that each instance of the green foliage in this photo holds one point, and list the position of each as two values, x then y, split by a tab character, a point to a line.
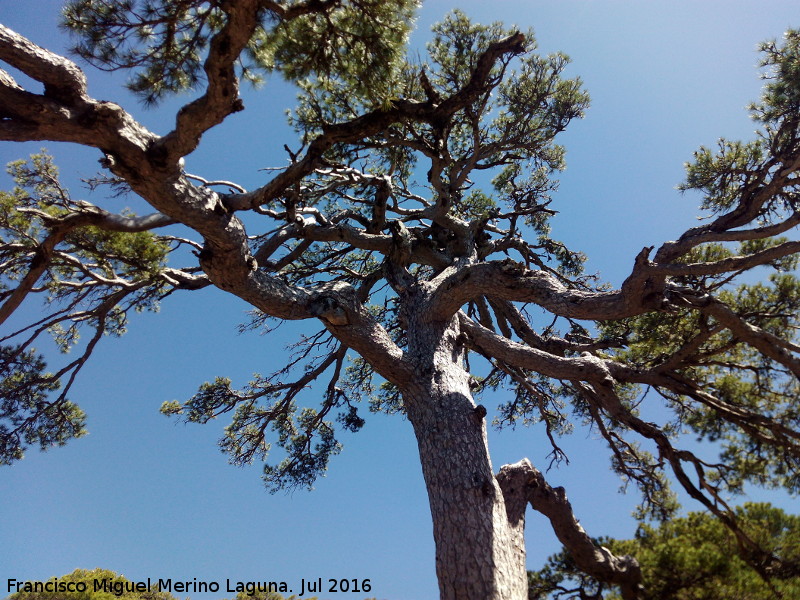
356	43
725	372
90	275
515	124
691	558
533	102
355	47
781	63
136	255
721	175
39	209
737	170
27	417
116	587
509	129
305	435
174	34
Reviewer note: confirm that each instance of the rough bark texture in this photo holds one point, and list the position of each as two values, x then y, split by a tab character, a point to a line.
522	484
479	551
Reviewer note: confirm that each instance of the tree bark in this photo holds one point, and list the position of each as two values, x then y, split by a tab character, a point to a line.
480	553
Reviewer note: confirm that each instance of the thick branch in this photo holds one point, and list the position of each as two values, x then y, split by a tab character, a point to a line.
522	483
551	344
729	265
63	79
222	92
669	251
766	185
509	280
585	367
64	112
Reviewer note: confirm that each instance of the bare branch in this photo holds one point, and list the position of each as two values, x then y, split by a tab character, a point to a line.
509	280
207	183
63	79
522	483
584	367
728	265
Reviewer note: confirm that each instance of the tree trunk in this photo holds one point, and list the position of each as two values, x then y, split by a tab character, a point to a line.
480	554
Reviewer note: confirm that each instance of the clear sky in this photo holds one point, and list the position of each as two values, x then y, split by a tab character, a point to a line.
145	497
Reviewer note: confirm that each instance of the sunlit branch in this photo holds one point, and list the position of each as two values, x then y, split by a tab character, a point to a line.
522	483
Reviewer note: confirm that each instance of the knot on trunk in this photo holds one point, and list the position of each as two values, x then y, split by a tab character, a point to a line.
400	253
511	267
328	309
478	414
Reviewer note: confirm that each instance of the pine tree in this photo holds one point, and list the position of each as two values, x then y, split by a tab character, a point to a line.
411	226
689	558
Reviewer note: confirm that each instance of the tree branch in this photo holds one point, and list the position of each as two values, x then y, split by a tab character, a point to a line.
510	280
222	92
59	228
377	121
765	342
728	265
63	80
585	367
522	483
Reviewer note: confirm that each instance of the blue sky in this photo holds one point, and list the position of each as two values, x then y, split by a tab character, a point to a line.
148	498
